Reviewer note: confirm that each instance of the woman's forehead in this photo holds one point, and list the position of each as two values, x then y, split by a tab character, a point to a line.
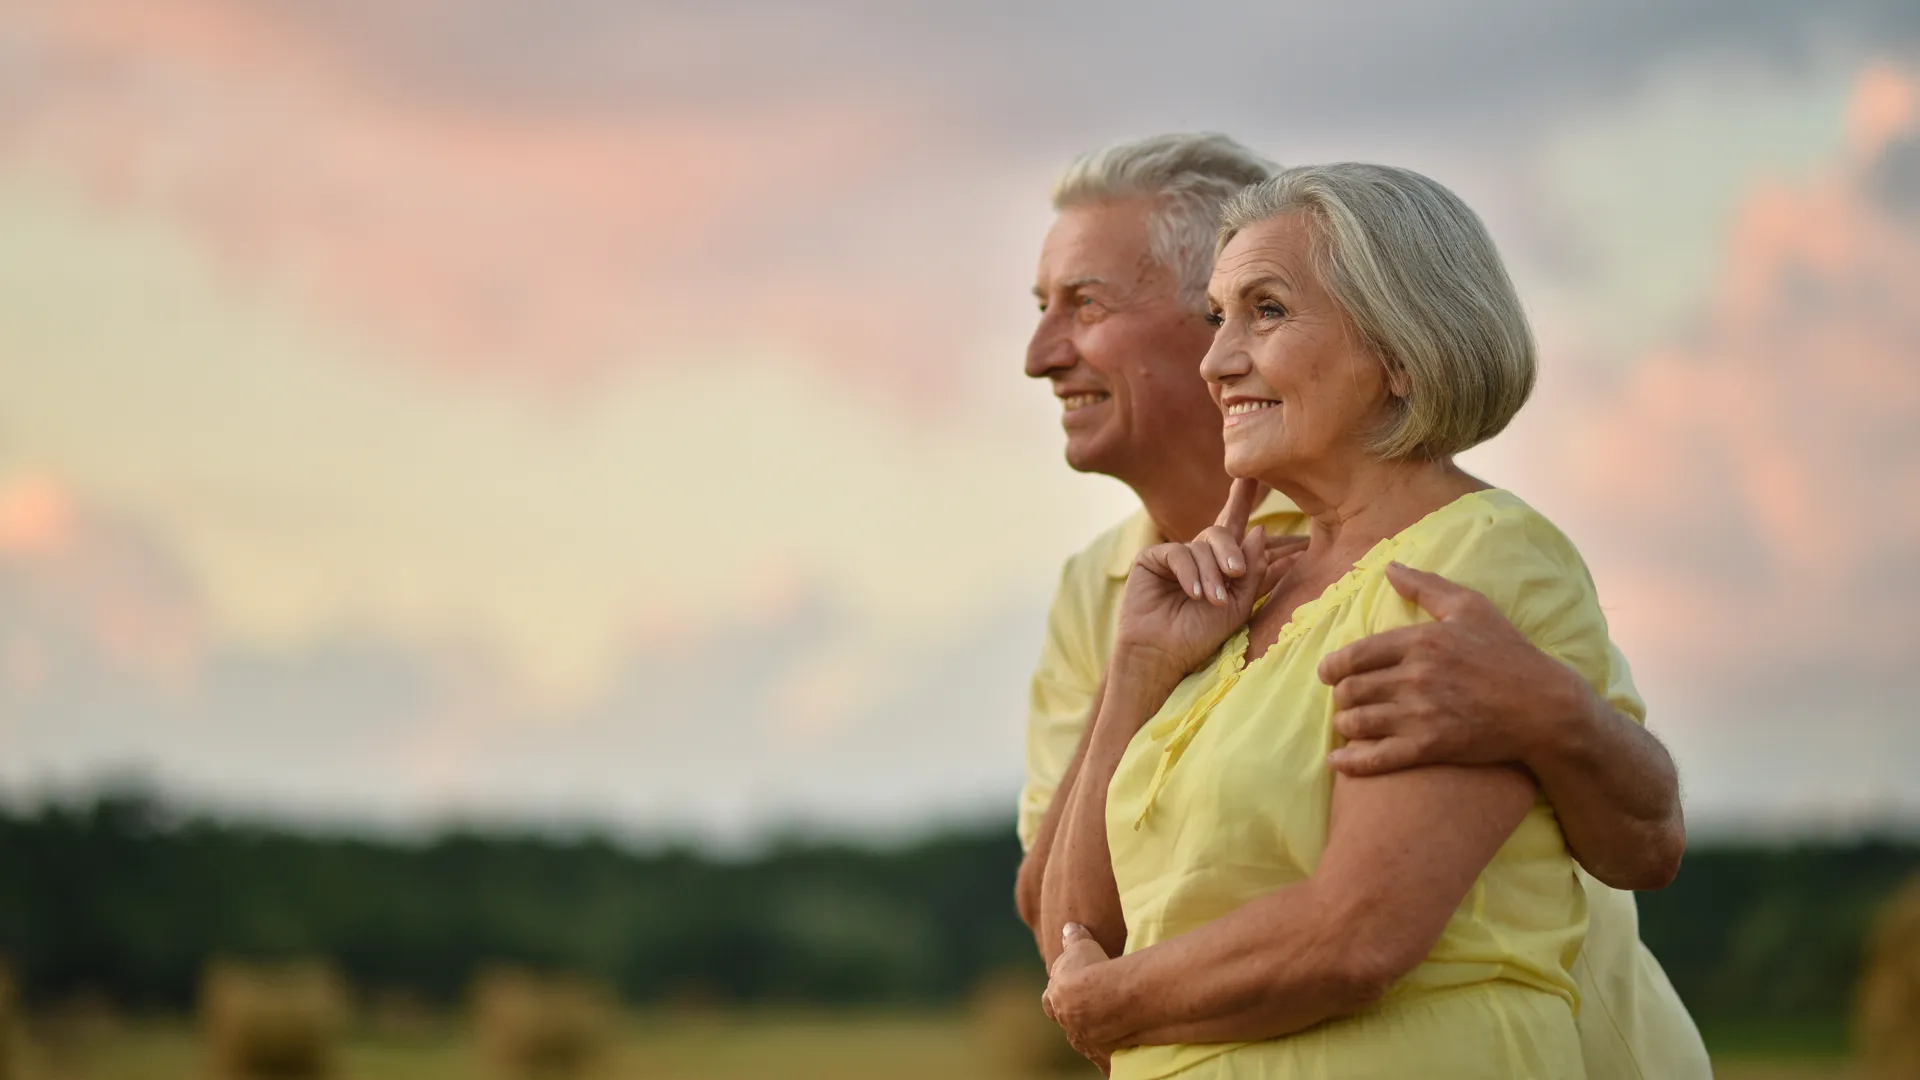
1279	247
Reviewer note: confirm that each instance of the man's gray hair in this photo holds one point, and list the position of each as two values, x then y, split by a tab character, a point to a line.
1418	274
1189	176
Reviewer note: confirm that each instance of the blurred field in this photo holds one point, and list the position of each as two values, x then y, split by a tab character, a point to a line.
924	1046
792	1046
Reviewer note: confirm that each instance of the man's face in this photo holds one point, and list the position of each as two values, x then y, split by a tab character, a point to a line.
1121	352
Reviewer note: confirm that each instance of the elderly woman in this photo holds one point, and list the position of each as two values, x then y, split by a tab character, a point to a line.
1278	919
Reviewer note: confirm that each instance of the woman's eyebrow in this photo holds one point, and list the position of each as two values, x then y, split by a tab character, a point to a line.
1252	284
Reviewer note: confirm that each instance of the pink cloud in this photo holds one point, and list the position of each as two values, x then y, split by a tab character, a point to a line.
36	516
1756	488
78	584
528	236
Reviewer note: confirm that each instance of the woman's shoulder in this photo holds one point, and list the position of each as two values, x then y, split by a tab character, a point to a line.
1490	530
1493	542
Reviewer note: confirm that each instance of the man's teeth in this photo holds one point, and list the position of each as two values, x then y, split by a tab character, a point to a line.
1249	406
1081	401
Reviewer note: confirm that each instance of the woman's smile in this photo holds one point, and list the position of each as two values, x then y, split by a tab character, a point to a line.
1237	412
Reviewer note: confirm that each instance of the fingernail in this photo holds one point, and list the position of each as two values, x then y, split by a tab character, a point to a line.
1196	590
1220	593
1233	564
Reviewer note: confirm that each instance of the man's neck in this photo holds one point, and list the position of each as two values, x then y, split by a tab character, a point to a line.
1182	502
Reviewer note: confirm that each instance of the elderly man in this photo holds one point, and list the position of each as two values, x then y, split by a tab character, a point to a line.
1121	287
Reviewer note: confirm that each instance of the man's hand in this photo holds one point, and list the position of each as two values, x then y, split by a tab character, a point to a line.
1470	689
1068	999
1466	689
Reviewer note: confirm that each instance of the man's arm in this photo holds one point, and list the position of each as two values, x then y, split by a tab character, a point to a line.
1033	865
1470	689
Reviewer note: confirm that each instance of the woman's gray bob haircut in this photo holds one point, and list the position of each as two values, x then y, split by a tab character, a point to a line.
1190	176
1418	274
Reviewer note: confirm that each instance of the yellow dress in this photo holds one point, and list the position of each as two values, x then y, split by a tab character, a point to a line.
1223	797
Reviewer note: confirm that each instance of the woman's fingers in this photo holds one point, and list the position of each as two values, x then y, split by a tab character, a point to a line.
1227	550
1240	503
1179	559
1213	583
1275	562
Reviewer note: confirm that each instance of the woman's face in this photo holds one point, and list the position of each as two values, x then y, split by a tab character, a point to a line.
1299	392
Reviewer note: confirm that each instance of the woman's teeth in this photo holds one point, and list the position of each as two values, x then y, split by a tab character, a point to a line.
1240	407
1080	401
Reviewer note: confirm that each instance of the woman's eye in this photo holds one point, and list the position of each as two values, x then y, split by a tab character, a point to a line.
1214	319
1271	311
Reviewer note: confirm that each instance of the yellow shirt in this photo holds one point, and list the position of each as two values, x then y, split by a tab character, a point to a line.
1633	1025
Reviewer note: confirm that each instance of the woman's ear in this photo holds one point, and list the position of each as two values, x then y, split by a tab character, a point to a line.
1399	384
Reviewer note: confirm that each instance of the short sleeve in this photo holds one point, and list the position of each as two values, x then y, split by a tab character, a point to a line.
1531	572
1060	694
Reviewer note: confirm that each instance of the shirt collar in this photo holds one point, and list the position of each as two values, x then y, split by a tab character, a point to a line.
1138	533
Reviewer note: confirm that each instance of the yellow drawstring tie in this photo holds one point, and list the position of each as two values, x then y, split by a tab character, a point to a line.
1185	726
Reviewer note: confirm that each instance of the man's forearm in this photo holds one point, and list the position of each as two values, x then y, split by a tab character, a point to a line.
1616	792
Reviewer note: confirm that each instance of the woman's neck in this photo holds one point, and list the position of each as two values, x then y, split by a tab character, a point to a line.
1368	499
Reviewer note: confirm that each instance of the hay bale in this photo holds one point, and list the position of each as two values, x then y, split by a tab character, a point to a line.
1013	1031
542	1027
1888	1004
272	1022
9	1025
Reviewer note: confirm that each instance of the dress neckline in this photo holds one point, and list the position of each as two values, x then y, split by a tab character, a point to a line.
1311	612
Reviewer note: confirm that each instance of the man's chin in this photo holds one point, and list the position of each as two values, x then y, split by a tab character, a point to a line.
1090	456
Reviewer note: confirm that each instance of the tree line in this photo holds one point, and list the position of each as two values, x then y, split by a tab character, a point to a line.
124	898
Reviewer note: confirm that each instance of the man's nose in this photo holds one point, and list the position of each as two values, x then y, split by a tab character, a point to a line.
1050	350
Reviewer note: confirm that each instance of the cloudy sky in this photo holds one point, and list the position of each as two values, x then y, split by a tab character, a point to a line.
602	411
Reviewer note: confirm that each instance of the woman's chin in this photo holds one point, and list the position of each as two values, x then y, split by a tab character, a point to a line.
1249	463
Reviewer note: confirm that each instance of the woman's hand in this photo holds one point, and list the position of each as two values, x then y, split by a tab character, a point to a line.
1182	600
1070	1000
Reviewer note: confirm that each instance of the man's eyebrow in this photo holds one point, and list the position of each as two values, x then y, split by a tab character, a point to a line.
1072	283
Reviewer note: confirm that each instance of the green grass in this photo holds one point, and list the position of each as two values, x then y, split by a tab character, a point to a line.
1818	1037
791	1046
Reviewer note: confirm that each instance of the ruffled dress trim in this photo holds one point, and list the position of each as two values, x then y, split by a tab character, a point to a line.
1180	729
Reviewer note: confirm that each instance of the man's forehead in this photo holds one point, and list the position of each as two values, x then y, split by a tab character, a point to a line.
1103	244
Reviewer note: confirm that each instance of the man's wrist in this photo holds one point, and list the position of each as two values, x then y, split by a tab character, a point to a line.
1559	734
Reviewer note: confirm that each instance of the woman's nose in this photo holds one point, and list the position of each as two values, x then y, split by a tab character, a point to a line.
1224	362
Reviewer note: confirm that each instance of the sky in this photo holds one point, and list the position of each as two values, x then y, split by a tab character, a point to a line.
608	412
